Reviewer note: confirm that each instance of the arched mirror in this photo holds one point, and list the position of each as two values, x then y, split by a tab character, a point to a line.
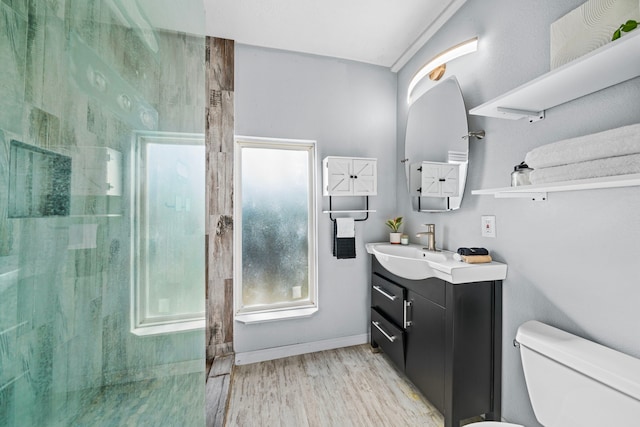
437	148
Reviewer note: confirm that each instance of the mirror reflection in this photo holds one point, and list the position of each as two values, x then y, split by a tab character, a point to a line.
437	148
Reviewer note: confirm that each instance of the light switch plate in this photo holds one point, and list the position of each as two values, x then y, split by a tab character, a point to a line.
488	226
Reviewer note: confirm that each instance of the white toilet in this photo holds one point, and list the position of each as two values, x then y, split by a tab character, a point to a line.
573	382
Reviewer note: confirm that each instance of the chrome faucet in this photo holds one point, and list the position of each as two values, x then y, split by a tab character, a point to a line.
431	234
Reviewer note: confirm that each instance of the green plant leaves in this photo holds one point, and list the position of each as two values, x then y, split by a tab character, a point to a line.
394	223
630	25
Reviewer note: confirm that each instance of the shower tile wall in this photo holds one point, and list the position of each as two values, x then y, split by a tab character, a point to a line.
65	335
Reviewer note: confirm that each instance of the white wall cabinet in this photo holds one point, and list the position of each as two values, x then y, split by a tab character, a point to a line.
435	179
349	176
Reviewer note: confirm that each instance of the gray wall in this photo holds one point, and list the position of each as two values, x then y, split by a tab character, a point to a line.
573	260
349	109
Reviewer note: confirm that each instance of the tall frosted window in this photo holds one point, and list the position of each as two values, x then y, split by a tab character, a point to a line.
278	225
169	225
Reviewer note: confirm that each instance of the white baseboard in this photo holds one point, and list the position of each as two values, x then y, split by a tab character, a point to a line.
296	349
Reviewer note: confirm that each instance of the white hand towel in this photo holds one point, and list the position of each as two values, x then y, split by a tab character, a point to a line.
614	142
345	227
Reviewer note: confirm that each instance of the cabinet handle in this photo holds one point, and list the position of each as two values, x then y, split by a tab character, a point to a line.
406	320
386	294
391	338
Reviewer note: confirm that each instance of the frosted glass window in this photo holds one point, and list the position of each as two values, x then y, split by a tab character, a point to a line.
278	226
169	222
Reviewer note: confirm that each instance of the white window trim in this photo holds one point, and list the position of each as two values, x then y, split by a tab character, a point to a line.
290	310
140	324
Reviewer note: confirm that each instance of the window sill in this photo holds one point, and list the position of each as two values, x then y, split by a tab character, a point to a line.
168	328
272	316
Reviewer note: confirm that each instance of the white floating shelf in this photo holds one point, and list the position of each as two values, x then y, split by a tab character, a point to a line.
539	192
606	66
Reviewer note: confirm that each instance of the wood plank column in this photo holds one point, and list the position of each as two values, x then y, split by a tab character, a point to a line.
219	141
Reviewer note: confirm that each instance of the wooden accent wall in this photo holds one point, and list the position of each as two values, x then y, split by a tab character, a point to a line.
219	149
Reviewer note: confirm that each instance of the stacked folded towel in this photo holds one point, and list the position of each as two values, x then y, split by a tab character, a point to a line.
473	255
608	153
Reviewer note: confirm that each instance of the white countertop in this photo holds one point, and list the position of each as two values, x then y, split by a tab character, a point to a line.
415	263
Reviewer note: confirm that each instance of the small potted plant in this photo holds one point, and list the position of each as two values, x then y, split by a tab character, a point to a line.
394	224
628	26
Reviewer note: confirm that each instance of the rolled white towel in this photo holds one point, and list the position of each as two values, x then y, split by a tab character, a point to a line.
620	165
614	142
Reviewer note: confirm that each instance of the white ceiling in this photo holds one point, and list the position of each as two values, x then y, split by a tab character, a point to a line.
381	32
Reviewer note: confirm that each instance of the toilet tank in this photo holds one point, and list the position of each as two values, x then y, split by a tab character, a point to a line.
574	382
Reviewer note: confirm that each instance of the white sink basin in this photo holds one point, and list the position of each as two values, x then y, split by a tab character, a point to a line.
408	251
408	261
416	263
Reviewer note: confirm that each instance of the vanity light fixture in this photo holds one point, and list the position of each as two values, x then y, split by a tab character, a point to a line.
437	66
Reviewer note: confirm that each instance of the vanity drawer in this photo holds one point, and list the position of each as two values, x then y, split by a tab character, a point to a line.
388	298
388	337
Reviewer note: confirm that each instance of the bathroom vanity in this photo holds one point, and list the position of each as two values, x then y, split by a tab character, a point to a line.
446	337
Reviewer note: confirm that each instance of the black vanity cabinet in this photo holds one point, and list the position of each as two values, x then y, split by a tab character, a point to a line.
445	337
424	358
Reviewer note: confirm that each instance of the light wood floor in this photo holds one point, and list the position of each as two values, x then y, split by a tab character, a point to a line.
345	387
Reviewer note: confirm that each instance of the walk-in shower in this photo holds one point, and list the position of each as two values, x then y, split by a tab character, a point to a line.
102	204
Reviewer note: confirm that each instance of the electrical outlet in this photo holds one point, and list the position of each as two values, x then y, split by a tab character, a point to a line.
489	226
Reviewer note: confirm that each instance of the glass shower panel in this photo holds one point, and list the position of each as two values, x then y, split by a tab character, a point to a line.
79	80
